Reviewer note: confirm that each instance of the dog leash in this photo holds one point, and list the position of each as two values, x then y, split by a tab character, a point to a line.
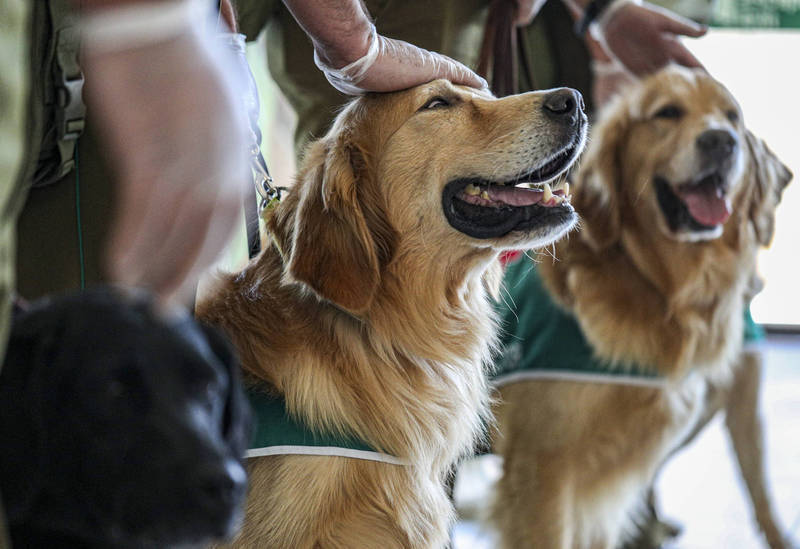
263	194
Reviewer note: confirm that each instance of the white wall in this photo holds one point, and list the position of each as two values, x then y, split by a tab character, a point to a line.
762	70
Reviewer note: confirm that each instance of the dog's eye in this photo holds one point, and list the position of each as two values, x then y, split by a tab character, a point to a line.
672	112
733	116
435	102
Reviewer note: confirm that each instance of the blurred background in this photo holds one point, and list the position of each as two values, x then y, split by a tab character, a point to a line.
753	48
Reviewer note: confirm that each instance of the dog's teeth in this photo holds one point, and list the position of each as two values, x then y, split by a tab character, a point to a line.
548	193
485	195
558	199
566	189
472	190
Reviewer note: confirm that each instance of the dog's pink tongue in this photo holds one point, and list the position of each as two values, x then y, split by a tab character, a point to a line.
706	206
514	196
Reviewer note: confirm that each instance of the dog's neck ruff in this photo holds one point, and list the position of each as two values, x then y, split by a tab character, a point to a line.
540	340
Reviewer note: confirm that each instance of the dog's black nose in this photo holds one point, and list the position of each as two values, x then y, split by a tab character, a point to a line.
717	144
564	105
221	486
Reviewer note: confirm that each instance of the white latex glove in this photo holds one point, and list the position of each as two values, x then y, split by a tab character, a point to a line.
390	65
645	37
165	98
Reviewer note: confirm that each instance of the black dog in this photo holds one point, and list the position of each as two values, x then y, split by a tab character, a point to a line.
119	428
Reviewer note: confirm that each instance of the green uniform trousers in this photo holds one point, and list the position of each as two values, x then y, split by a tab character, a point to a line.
63	225
14	25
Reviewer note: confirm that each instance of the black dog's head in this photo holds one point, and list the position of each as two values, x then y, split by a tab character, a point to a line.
120	428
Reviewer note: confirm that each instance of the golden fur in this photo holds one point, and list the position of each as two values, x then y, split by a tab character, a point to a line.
578	457
372	315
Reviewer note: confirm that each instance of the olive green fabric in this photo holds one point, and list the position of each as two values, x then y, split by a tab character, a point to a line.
58	249
14	69
63	226
558	57
452	27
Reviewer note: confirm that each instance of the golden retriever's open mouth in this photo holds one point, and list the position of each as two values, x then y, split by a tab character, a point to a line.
698	206
484	209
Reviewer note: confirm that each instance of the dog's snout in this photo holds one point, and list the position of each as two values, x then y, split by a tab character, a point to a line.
717	144
222	486
564	105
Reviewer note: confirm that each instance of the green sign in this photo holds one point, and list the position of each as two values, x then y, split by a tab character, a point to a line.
760	14
770	14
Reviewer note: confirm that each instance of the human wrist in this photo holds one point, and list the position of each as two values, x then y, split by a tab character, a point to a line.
349	45
597	13
345	78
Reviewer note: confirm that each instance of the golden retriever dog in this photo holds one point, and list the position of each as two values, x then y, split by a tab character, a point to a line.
676	197
370	311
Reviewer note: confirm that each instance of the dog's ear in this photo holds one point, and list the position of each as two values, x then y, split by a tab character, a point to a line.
770	178
598	182
237	421
340	238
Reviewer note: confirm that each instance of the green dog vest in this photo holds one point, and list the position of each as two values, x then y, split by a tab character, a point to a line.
278	433
540	340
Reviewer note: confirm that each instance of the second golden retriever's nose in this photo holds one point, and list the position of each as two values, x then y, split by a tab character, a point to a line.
716	144
564	105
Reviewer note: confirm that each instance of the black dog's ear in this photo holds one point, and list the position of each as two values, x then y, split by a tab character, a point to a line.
24	385
237	420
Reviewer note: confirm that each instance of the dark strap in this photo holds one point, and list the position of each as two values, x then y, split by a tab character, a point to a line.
251	222
590	14
70	112
503	50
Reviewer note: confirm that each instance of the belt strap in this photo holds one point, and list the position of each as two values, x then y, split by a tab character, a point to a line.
69	109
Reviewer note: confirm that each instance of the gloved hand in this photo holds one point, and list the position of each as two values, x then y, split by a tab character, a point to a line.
390	65
645	37
164	93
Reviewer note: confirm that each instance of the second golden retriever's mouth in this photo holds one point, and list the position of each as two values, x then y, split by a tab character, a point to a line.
697	206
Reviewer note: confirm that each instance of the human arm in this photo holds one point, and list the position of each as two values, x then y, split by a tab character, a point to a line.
642	36
163	95
355	58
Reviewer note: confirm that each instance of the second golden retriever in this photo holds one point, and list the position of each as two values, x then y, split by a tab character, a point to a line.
676	197
369	311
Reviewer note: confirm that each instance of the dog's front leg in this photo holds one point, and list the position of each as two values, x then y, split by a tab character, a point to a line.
744	427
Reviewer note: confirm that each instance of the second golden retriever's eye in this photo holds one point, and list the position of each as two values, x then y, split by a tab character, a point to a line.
733	116
435	102
670	111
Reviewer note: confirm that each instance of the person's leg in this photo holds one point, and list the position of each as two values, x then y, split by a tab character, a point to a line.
14	17
63	227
